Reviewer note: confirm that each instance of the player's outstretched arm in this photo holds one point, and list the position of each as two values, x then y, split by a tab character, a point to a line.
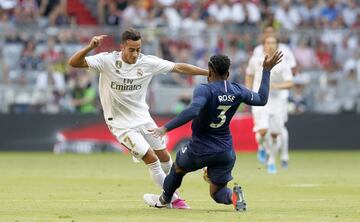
260	98
189	69
78	59
283	85
200	97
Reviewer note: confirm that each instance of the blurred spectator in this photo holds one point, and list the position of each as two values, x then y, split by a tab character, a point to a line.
182	103
328	94
353	63
220	10
287	15
350	91
356	24
329	13
60	64
323	55
245	13
193	24
270	20
84	95
53	83
26	12
350	12
305	55
343	51
135	14
8	4
309	13
28	58
50	54
50	79
297	100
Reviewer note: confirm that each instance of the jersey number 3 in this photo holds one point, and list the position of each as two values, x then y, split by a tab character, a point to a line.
221	116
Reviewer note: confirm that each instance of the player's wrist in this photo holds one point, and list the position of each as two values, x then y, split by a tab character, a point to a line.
165	129
90	47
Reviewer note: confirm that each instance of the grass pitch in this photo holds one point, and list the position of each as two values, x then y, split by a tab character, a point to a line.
41	187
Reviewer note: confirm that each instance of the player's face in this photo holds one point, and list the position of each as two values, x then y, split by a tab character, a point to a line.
131	51
270	45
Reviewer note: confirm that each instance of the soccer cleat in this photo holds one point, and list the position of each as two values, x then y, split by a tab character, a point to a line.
153	200
238	199
271	168
180	204
261	155
284	164
205	175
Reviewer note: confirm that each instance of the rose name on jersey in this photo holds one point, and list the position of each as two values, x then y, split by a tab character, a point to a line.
126	85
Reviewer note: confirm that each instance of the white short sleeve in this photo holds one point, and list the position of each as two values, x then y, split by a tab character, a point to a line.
289	57
251	68
96	62
160	66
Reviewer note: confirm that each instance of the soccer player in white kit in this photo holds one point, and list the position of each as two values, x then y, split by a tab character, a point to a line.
124	79
270	120
289	59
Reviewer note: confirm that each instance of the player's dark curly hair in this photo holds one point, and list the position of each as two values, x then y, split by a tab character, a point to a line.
220	64
130	34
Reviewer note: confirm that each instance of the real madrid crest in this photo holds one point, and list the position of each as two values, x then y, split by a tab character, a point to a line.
140	72
118	64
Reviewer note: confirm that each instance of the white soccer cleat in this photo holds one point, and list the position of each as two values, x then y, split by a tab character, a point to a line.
153	200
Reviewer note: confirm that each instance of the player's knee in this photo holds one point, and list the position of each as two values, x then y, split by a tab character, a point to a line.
150	157
163	155
263	132
178	169
274	135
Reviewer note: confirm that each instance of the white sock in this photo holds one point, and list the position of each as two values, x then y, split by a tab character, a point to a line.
264	142
156	173
273	144
166	166
158	176
284	144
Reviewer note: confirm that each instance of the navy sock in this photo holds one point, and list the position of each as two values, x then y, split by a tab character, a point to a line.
172	182
223	196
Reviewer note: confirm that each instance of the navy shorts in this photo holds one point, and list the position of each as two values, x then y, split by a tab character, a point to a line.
219	165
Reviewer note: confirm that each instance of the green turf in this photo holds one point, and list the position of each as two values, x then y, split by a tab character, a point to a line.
40	187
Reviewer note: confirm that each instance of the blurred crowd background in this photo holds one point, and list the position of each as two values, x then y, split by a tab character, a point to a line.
38	36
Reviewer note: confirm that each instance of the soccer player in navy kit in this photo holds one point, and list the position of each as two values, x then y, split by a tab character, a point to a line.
213	106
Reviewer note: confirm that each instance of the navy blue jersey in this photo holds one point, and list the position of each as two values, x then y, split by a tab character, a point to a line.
212	109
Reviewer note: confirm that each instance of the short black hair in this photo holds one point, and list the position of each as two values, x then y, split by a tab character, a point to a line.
220	64
130	34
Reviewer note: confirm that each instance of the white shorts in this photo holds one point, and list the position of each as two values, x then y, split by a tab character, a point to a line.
263	119
138	140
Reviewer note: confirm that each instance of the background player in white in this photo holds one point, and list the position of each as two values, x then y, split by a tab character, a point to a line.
289	59
269	120
124	79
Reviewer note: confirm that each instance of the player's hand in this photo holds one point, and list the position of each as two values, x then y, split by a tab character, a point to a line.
96	41
269	63
158	132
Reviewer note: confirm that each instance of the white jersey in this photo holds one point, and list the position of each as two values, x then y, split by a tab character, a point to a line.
123	87
288	58
288	55
280	73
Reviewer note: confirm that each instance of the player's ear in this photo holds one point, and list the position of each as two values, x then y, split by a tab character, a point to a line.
210	73
122	46
227	75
